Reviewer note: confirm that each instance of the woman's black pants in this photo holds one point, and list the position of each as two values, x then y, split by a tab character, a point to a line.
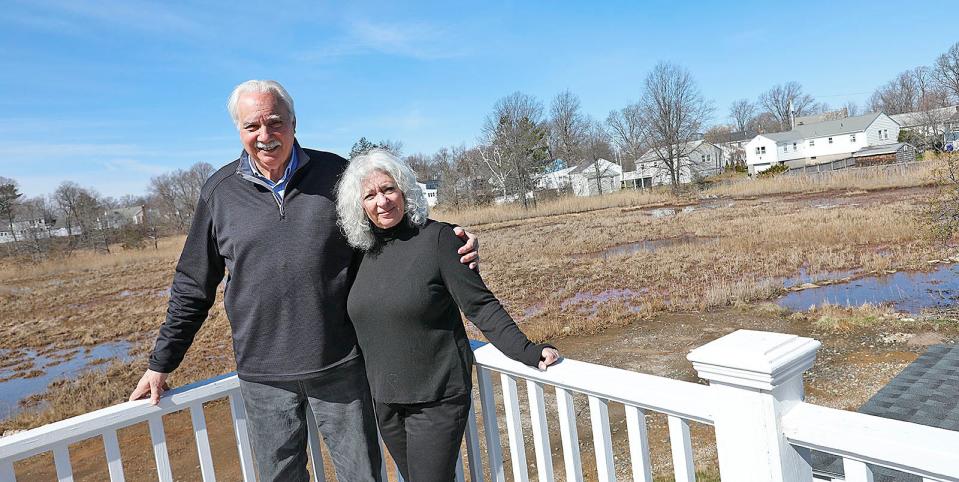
424	438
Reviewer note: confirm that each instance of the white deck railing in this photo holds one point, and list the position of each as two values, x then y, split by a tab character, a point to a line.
763	429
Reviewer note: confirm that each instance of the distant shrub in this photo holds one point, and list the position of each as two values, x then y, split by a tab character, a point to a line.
773	171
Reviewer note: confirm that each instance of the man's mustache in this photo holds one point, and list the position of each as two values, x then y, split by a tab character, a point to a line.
267	146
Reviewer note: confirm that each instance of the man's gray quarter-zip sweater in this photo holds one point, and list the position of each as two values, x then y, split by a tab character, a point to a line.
289	273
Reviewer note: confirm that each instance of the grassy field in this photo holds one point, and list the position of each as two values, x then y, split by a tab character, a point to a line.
568	267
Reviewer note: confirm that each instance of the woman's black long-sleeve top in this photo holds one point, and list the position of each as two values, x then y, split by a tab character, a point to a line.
405	305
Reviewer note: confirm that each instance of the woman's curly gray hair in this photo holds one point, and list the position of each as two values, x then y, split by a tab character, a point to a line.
349	195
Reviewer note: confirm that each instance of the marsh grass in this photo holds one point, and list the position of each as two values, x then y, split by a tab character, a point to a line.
738	253
867	178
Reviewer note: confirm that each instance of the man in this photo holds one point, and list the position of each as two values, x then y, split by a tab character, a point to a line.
269	218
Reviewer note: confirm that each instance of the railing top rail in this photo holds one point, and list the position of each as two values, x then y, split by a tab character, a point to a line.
665	395
41	439
908	447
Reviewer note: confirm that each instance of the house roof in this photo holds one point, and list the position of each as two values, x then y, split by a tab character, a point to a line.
912	119
652	155
849	125
823	117
127	212
925	392
585	165
879	150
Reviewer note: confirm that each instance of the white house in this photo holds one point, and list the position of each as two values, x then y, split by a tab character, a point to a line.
820	142
941	123
702	159
430	192
600	177
558	179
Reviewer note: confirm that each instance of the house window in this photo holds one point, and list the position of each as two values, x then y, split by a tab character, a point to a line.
794	147
812	142
762	150
852	137
830	140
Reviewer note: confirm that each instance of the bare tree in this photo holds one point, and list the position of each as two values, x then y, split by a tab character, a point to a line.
779	98
515	138
946	71
852	108
911	91
674	112
422	165
83	209
597	146
625	127
742	111
176	193
567	128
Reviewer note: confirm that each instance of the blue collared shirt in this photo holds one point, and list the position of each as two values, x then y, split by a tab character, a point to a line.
278	187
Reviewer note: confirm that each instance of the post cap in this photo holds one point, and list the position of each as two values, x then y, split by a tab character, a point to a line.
755	359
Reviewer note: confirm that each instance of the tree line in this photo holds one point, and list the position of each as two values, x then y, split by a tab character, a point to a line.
74	216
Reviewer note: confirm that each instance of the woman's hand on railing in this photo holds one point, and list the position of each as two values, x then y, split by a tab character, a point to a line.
153	384
549	357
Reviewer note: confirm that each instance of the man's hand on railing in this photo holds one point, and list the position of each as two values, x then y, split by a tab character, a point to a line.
549	357
153	384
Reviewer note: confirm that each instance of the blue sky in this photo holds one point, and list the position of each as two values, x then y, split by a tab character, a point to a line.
109	93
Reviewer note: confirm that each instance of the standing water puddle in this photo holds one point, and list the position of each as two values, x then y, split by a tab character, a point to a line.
905	291
51	366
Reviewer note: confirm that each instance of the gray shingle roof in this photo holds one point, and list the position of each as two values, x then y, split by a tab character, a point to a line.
925	392
836	127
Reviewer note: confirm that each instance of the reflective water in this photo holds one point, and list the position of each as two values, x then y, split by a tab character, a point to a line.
47	367
589	303
806	277
906	291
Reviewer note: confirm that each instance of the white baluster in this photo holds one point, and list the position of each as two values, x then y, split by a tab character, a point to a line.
459	468
202	442
473	448
856	471
242	437
158	437
537	413
7	472
61	458
316	452
112	448
514	429
603	444
493	450
638	444
569	435
682	449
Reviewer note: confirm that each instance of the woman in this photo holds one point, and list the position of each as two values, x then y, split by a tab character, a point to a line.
405	305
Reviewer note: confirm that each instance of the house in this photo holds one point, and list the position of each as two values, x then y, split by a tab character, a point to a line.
886	154
599	177
941	124
429	189
558	179
120	217
820	142
702	159
733	146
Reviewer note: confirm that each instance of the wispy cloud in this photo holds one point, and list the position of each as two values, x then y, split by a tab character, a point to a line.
134	166
416	40
75	15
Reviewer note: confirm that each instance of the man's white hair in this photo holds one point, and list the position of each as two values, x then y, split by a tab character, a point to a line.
349	195
258	87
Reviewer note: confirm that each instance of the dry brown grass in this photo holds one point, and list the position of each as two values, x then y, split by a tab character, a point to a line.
734	252
870	178
562	205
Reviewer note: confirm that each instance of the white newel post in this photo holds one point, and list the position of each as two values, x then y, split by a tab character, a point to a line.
755	377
